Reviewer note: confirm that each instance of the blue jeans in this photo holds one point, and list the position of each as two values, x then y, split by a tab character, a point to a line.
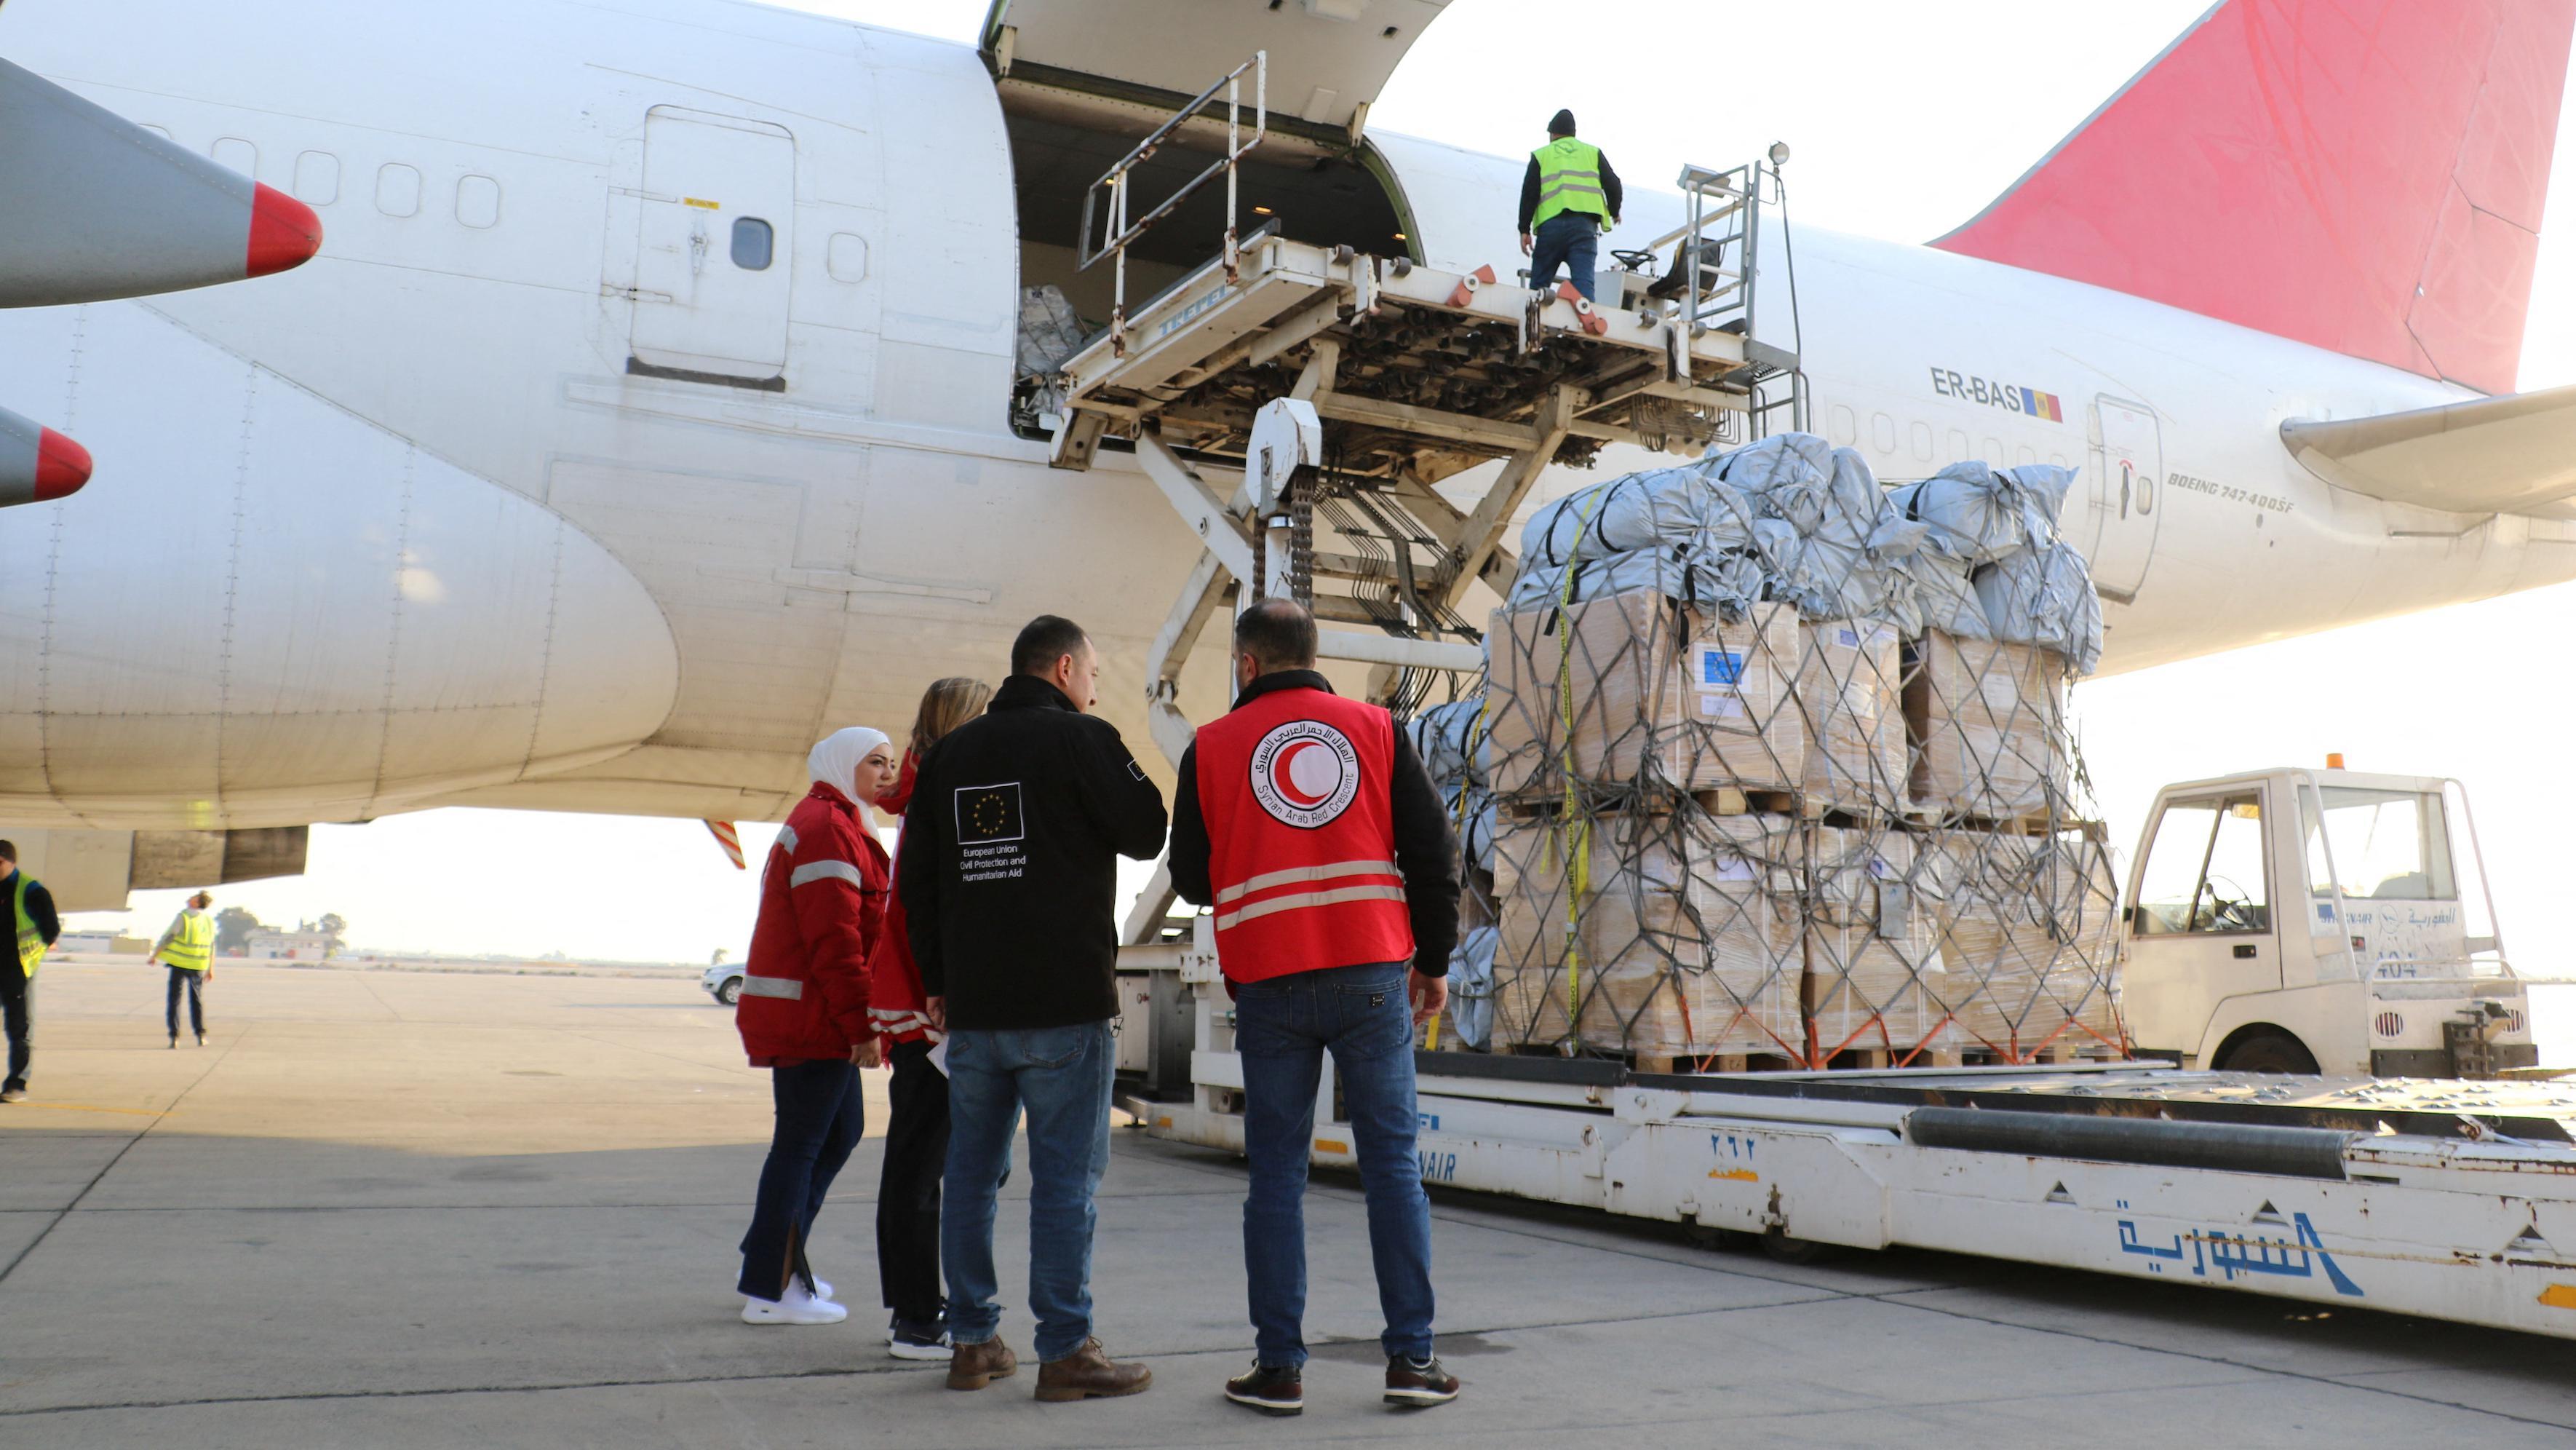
820	1118
1283	1027
1570	238
1062	1076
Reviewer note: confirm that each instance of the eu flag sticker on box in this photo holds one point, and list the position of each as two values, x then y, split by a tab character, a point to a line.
1719	667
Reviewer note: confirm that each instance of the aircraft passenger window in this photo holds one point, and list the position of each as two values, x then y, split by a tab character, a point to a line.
2023	454
1923	442
1958	446
1882	432
2204	870
317	178
397	189
752	241
478	201
1844	428
238	154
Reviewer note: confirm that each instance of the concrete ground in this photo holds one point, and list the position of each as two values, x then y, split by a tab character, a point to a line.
397	1209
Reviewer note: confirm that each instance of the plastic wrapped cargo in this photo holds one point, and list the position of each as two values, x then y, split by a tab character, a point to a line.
1632	690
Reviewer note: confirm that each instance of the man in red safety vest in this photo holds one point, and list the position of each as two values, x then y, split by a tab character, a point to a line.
1306	821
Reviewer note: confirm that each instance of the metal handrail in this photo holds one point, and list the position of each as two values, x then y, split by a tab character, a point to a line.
1122	231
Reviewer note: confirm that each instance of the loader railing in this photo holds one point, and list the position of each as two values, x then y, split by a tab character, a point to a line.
1119	227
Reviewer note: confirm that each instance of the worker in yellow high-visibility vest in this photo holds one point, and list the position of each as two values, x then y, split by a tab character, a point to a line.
188	950
31	909
1568	196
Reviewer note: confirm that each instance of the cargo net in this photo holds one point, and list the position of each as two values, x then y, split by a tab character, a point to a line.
1773	768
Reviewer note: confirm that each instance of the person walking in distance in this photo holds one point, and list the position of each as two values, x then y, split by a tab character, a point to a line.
804	1015
31	909
187	948
916	1142
1307	822
1009	878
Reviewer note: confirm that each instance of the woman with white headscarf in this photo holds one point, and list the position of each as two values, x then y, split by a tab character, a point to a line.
804	1014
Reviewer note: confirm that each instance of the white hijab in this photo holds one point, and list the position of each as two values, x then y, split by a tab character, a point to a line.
835	759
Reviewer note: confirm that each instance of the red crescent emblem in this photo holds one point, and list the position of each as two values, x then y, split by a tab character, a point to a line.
1283	774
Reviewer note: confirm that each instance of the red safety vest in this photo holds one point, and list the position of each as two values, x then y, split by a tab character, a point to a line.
1301	835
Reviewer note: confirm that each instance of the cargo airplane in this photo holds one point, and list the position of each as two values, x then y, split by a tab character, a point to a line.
650	409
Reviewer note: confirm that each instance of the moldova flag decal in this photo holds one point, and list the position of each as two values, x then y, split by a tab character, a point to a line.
2042	405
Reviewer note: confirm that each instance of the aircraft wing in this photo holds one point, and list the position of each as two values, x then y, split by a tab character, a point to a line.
2514	454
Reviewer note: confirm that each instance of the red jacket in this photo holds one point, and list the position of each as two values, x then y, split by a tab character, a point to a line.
896	1005
1297	788
823	899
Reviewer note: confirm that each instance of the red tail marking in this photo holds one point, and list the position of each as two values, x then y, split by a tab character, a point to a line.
2361	175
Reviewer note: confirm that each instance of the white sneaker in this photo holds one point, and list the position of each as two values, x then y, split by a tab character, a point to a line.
822	1288
798	1307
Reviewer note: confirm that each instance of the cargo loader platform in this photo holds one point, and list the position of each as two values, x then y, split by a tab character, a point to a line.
2453	1200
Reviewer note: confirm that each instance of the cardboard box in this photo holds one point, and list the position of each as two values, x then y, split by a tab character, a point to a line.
1849	693
1870	953
2029	935
1656	694
1988	725
1663	947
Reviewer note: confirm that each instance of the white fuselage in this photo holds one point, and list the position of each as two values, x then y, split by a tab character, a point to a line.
399	528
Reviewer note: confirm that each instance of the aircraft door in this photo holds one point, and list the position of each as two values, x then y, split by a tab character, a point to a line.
2128	467
713	262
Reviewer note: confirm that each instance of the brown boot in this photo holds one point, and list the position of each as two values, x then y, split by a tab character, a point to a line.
973	1366
1089	1373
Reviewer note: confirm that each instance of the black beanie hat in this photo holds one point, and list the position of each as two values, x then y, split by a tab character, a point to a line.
1562	125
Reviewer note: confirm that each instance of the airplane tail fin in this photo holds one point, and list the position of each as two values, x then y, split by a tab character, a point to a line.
2361	175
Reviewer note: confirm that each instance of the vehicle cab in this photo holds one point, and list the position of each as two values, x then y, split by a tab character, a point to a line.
2319	921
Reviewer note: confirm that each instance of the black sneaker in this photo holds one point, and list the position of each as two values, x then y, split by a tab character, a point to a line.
1271	1389
919	1339
1419	1383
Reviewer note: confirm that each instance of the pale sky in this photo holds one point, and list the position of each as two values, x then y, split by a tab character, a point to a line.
1904	118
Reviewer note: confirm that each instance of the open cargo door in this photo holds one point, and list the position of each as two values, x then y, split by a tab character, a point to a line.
1328	58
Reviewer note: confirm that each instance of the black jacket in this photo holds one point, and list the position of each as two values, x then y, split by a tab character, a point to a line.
1610	190
1009	868
1426	851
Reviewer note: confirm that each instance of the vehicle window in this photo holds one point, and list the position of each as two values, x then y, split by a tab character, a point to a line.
752	240
2172	875
2204	870
2387	845
2235	896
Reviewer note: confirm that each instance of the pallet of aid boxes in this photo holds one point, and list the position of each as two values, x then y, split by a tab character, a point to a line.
1698	735
1663	726
2027	897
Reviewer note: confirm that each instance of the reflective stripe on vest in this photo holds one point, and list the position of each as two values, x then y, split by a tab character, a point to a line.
192	945
31	942
786	989
1569	179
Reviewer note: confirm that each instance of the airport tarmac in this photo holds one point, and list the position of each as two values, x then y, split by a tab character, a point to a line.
414	1209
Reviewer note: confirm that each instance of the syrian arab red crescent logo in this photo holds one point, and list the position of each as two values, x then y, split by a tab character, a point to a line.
1305	773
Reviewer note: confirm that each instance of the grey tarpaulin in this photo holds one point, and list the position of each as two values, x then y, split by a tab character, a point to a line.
1471	987
2045	596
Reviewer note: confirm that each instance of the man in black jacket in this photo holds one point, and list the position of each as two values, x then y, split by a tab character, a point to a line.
1009	877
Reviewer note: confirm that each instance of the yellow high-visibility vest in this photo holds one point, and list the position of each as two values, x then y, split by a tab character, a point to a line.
1569	179
192	942
31	942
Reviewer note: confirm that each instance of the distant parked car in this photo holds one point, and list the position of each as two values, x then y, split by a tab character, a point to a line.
723	982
